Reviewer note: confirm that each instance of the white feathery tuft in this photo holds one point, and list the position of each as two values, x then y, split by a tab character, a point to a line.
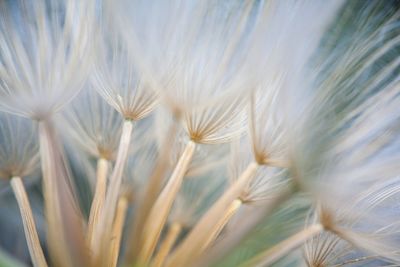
45	54
93	125
193	55
19	148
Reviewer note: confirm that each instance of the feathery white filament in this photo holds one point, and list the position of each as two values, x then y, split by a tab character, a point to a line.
44	55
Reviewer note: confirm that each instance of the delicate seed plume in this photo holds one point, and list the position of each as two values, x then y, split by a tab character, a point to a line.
94	125
19	148
210	133
44	55
119	82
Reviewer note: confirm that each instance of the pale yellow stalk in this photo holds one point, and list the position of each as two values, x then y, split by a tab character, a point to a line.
270	256
118	227
159	213
152	190
102	232
167	244
32	238
98	198
210	223
48	153
224	219
243	228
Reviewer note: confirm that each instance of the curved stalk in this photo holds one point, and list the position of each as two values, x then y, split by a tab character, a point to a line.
62	213
32	238
224	219
270	256
166	246
244	228
152	190
117	230
98	198
159	213
205	229
102	232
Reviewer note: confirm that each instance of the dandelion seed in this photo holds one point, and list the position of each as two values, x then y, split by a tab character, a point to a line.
44	55
45	59
193	78
94	125
19	149
119	82
317	81
19	157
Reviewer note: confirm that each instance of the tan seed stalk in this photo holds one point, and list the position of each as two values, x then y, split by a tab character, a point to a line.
224	219
117	229
102	232
166	246
243	229
275	253
159	213
152	190
210	223
98	199
32	238
58	252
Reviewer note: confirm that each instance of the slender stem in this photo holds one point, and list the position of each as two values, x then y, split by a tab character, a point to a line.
244	227
270	256
31	234
49	187
159	213
357	260
98	199
48	155
117	229
166	246
205	228
102	232
152	190
224	219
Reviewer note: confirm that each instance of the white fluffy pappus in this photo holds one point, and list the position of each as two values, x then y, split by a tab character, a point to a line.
44	54
193	54
93	124
19	148
119	81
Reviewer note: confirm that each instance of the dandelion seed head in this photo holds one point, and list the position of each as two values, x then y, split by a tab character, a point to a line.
266	124
196	67
300	99
19	150
207	157
44	55
331	249
93	124
119	81
266	183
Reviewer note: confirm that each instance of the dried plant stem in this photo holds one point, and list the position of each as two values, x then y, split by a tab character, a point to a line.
159	213
358	260
102	232
273	254
49	186
48	154
152	190
209	224
167	244
245	227
224	219
31	234
118	227
98	199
